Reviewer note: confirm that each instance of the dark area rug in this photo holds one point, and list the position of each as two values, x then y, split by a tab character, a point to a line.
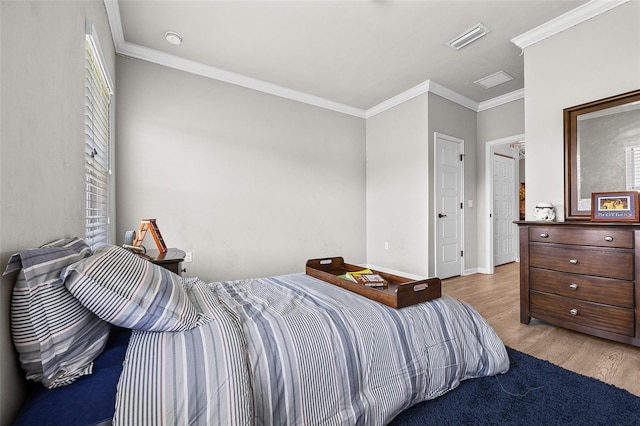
532	392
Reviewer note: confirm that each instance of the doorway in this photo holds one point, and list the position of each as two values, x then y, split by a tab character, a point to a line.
504	208
449	178
514	147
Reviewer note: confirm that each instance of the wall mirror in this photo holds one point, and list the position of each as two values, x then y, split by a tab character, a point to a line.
602	150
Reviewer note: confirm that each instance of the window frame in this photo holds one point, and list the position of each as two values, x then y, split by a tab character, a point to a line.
632	160
98	122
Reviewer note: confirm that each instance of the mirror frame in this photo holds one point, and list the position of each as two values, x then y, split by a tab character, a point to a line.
570	116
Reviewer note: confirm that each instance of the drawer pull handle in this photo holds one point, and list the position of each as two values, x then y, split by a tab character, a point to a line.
544	235
573	261
608	238
573	312
573	286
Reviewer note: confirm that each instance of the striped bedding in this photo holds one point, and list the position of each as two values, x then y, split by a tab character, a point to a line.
294	350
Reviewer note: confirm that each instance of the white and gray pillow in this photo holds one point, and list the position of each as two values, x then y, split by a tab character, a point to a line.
56	337
126	290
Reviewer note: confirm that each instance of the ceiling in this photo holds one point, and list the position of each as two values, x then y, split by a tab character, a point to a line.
346	55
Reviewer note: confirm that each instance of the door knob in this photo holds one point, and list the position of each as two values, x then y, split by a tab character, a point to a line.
440	215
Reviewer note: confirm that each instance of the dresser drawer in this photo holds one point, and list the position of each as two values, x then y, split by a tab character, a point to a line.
586	261
583	236
587	314
593	289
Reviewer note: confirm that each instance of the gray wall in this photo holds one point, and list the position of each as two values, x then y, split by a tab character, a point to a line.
455	120
252	184
400	182
41	141
493	124
398	187
499	122
593	60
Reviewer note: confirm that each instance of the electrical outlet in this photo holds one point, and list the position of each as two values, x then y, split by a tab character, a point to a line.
386	246
188	258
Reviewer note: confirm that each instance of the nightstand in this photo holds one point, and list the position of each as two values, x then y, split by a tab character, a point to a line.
170	260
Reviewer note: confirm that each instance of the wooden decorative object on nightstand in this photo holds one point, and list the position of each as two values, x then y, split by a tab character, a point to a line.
150	225
582	276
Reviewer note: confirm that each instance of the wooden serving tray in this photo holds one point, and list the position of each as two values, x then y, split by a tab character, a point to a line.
401	291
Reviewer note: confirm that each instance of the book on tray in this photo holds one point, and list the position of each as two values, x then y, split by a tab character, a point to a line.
365	277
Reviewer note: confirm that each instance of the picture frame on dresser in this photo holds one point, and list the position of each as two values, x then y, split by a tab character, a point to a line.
618	206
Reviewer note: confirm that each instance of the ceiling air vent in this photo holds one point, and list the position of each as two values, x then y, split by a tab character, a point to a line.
494	79
471	35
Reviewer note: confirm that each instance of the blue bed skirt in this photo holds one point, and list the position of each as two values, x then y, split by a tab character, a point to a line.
88	401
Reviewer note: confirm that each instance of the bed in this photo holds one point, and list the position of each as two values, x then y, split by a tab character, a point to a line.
138	344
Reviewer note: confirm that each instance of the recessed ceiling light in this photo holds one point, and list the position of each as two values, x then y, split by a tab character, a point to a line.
494	79
470	35
173	38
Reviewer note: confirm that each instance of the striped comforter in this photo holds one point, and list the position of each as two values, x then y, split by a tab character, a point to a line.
294	350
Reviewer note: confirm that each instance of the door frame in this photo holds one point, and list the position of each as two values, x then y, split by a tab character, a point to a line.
436	248
501	159
488	184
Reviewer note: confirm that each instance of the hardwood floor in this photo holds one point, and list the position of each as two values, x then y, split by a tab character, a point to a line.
497	298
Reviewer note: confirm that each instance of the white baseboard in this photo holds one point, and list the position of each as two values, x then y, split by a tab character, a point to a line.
414	276
394	272
470	271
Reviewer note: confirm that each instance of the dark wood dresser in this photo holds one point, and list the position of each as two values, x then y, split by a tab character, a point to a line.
583	276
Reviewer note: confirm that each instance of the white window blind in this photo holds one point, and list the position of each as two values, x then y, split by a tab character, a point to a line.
633	168
98	93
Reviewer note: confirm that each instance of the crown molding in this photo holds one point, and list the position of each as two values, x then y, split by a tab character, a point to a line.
113	16
501	100
428	86
449	94
161	58
132	50
193	67
398	99
573	17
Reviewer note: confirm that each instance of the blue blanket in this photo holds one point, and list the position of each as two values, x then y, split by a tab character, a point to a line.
90	400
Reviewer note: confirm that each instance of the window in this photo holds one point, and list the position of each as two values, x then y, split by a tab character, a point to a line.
98	92
632	154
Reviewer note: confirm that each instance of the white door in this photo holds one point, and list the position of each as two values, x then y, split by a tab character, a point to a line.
448	205
504	210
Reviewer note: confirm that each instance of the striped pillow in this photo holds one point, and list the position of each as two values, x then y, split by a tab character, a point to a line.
56	337
129	291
